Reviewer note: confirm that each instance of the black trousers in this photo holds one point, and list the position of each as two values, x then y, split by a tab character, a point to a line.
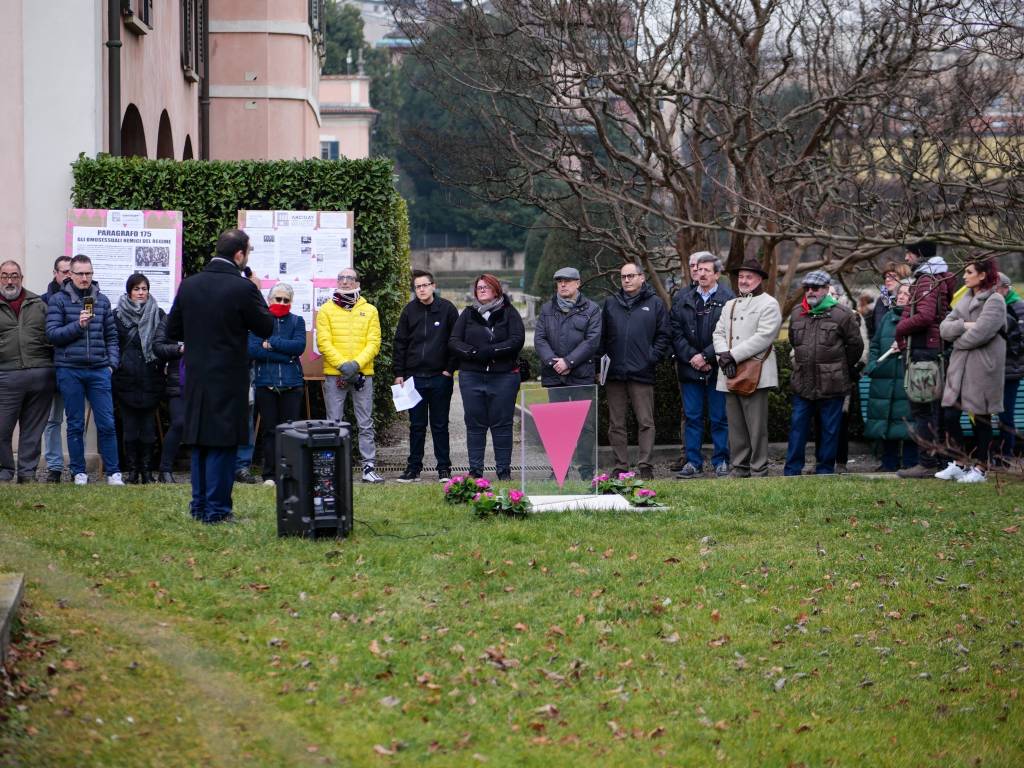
982	434
172	438
275	406
138	425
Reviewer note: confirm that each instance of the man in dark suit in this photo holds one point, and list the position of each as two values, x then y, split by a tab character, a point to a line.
213	313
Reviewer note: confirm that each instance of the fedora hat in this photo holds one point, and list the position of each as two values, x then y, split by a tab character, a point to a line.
750	265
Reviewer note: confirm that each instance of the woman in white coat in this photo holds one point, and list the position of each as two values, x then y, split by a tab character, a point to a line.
974	377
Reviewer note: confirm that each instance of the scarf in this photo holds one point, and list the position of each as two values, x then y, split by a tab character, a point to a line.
346	299
486	309
627	300
566	305
16	302
1012	296
823	306
143	316
886	297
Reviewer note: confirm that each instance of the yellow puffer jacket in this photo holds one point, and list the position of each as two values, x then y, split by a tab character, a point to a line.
348	334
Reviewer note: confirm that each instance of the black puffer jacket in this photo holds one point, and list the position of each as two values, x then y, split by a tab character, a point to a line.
488	346
171	353
137	384
826	350
574	336
693	323
636	335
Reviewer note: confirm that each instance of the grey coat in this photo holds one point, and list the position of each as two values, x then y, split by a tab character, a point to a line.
974	378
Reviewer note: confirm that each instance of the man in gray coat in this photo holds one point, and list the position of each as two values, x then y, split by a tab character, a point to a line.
567	340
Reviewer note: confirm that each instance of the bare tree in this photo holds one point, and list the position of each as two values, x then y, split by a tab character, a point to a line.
811	133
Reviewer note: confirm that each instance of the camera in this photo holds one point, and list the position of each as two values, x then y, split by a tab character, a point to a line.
357	385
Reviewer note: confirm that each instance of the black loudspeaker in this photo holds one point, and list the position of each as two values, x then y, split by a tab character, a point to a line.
314	479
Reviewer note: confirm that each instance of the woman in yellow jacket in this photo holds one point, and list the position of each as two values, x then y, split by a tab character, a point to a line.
348	338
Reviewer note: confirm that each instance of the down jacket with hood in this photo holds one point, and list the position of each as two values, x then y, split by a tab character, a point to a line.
930	298
75	346
637	335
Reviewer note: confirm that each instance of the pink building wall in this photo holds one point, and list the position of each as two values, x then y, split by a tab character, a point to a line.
346	115
264	71
12	137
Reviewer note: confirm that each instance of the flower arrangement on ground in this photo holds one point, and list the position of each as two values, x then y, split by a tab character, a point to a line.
461	489
626	484
511	503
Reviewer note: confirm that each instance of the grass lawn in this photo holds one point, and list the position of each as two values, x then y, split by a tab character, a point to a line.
814	621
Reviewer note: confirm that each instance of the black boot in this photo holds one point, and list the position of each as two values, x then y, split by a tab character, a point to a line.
131	463
146	463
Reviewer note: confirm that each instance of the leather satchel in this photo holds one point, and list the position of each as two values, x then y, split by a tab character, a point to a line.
748	373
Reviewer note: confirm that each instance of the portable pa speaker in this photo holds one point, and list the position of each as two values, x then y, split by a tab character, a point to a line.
314	479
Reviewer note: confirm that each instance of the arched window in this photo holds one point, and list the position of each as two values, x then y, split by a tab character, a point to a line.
133	135
165	138
187	154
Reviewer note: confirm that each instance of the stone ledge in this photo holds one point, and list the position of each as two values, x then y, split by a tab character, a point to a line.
12	587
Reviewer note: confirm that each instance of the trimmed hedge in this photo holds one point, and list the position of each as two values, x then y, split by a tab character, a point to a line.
210	193
668	406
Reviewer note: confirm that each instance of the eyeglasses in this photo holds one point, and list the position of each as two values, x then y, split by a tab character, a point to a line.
282	300
82	274
348	279
63	271
422	285
630	276
10	276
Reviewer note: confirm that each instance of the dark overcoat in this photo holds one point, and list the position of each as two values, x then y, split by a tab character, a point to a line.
213	314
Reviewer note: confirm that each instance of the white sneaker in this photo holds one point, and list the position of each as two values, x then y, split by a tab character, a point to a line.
370	475
269	482
953	471
975	475
81	479
115	479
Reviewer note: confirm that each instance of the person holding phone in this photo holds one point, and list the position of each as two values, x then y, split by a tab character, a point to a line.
80	325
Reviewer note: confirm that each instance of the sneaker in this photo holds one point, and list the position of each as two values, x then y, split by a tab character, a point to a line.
370	475
81	478
953	471
115	479
409	477
974	475
243	476
689	472
916	472
444	475
54	475
269	482
722	470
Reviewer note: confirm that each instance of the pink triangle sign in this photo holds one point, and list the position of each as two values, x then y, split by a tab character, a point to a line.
560	425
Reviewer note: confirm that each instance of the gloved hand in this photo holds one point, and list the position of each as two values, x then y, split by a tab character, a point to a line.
349	370
727	364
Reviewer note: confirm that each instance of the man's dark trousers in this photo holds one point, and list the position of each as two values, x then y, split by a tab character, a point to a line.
213	475
830	412
433	409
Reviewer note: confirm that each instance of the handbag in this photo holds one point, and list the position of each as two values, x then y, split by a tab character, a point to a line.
748	373
924	379
523	365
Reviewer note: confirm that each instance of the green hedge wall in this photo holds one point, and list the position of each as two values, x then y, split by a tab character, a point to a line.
210	193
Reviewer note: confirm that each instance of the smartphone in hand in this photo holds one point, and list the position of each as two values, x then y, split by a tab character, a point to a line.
88	303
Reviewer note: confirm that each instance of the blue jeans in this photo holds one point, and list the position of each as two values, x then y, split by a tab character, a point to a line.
52	444
436	392
694	395
891	454
243	454
93	384
489	400
830	413
213	475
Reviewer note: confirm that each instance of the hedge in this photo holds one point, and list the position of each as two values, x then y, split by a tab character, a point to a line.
210	193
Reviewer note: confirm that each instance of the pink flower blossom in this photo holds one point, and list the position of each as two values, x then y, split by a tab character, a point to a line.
515	496
646	493
476	497
599	479
627	475
457	479
482	483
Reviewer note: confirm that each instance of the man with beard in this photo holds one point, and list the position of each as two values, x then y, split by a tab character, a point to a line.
26	374
213	314
827	346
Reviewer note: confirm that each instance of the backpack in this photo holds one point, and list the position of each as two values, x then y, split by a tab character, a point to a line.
1014	331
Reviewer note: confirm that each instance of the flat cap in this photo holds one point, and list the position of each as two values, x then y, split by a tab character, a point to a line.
817	278
567	273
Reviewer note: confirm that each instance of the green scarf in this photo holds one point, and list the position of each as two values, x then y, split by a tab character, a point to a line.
823	306
1012	296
